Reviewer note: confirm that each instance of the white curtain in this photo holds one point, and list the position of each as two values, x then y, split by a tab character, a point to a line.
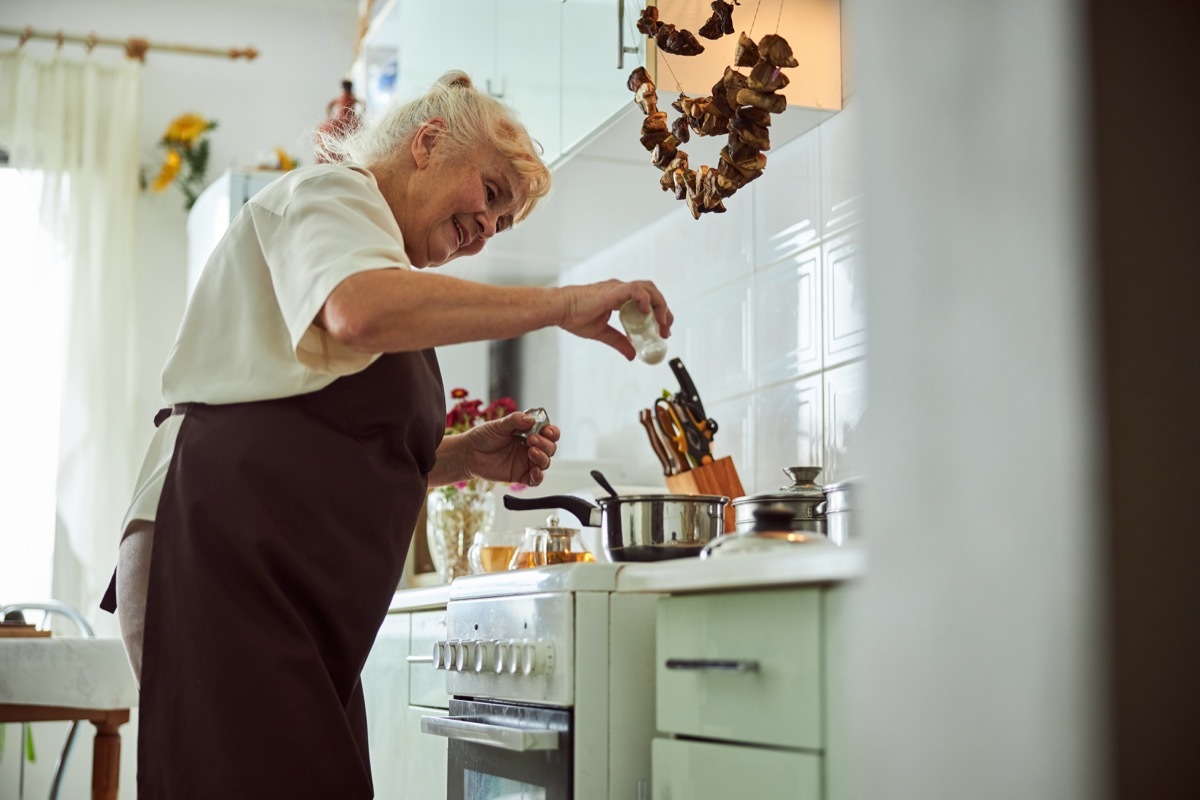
76	120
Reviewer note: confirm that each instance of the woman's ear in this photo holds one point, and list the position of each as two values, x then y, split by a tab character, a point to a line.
427	138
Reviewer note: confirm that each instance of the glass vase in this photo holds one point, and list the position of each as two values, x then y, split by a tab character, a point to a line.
455	514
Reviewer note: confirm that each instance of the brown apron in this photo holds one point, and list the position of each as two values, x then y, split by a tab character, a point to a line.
280	537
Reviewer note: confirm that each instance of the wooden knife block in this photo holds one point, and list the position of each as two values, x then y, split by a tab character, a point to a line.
719	477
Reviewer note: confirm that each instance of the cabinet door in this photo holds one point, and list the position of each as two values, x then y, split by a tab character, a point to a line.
424	759
528	49
438	37
593	88
427	685
685	770
385	688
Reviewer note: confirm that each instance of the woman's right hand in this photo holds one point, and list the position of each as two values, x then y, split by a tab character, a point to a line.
590	306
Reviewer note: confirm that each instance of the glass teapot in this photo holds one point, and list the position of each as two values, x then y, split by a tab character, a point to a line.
550	544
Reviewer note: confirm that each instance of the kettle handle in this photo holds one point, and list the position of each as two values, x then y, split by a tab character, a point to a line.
582	509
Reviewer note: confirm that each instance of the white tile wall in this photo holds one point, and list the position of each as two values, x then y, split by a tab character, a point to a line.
769	321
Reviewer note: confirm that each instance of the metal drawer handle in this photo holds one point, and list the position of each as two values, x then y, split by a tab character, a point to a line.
419	659
467	729
712	665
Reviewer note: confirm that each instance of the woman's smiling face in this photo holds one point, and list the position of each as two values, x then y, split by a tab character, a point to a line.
456	204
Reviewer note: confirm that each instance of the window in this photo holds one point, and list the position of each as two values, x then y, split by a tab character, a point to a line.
33	296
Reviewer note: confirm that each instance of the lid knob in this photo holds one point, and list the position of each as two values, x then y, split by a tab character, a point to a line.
802	477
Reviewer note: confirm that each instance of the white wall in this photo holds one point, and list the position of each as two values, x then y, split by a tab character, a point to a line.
769	320
277	100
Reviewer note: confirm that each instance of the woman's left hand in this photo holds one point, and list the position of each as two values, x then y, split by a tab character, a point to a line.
495	453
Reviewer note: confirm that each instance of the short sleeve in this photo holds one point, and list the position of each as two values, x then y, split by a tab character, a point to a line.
333	224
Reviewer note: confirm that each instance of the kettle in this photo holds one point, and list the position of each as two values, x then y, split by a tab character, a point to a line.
550	544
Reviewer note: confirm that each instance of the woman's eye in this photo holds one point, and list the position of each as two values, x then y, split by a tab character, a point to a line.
491	193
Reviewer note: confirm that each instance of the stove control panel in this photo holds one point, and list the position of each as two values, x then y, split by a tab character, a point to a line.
510	648
499	656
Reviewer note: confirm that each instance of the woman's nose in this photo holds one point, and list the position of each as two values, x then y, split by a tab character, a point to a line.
487	224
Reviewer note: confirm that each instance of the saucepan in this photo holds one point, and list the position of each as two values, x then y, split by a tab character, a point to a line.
652	527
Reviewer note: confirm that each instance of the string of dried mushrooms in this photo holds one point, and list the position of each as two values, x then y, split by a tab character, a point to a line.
740	106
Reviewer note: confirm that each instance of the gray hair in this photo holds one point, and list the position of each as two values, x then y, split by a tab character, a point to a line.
473	119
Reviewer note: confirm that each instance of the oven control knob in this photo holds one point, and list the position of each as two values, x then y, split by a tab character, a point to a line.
500	661
441	655
465	656
485	656
452	648
513	655
537	657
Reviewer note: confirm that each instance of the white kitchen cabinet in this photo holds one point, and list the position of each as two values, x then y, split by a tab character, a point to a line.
437	37
595	67
742	666
686	770
400	685
529	45
741	694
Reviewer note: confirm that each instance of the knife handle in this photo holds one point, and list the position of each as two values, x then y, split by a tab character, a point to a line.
673	434
660	450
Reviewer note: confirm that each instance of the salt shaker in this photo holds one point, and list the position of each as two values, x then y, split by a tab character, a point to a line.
642	330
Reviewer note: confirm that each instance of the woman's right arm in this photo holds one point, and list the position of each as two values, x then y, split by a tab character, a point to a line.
393	310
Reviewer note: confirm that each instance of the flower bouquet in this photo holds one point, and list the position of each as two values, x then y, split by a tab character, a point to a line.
185	156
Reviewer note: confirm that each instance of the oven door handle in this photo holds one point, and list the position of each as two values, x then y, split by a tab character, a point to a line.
469	729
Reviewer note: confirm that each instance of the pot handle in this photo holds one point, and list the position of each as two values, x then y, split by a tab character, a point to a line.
582	509
819	510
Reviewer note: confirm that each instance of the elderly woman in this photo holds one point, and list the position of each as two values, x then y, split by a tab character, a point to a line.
305	424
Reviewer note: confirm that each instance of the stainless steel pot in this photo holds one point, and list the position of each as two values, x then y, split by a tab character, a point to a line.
802	496
651	527
838	509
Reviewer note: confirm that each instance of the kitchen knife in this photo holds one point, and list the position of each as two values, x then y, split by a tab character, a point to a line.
689	399
697	446
673	435
656	442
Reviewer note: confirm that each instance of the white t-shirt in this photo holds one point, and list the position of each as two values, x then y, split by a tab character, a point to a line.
248	332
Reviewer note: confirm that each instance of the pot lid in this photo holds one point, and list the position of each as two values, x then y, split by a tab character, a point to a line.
802	487
553	527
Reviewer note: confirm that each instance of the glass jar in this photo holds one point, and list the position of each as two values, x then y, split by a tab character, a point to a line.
642	330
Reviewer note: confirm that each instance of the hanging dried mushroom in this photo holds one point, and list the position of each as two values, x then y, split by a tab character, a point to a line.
739	106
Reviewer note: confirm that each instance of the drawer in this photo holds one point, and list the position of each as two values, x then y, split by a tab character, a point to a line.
776	635
685	770
427	686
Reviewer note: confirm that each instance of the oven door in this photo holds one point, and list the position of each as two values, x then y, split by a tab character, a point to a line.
505	751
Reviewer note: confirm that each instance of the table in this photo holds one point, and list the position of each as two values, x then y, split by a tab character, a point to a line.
68	678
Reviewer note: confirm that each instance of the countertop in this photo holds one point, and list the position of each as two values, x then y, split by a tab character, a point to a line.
808	564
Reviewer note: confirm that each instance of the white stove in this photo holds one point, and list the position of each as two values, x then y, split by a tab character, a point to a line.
552	677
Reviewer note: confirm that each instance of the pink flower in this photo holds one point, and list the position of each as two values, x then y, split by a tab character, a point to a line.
466	414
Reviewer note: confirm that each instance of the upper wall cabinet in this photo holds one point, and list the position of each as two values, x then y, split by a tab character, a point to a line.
601	46
563	66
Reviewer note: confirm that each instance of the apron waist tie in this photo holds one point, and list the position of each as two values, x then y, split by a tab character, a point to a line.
170	411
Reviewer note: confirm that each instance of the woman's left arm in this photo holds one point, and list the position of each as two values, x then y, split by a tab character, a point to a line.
493	452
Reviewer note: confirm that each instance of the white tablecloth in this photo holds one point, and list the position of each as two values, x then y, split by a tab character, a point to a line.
66	671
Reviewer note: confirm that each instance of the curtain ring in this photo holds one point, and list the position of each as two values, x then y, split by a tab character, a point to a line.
26	35
59	38
91	42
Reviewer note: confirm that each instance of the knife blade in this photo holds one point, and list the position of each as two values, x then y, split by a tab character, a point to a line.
656	442
673	435
692	410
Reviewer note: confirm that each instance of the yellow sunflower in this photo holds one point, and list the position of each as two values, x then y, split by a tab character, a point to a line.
286	162
170	168
186	129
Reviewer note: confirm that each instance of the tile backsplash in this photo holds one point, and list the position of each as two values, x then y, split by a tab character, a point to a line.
768	320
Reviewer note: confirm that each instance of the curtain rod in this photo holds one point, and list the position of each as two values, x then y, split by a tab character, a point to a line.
135	47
